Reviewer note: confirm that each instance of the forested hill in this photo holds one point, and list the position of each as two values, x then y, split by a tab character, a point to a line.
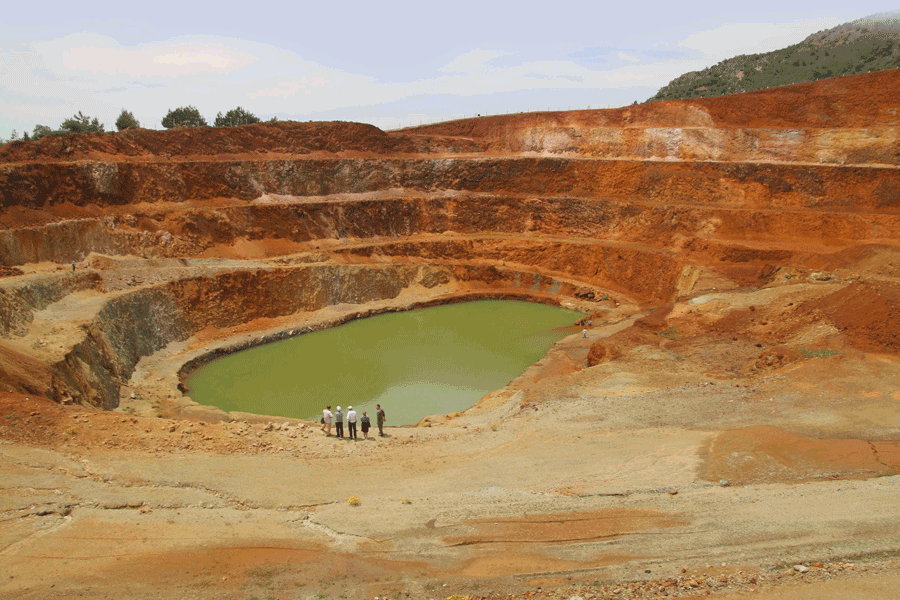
869	44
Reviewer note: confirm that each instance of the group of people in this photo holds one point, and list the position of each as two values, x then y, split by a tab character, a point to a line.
337	419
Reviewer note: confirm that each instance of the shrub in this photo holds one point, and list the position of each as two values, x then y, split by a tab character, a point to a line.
81	123
42	130
126	120
184	116
234	117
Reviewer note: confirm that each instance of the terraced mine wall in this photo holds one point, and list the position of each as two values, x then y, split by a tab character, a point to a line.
19	301
625	246
651	203
703	183
647	203
838	147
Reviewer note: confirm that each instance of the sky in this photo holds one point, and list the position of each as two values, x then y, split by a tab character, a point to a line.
391	63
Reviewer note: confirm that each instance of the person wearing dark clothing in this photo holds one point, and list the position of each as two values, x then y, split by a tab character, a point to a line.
364	423
338	423
379	413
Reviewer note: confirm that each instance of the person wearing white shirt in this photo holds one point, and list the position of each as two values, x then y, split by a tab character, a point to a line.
351	423
327	417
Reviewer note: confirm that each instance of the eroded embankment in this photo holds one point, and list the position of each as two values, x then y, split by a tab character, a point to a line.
103	352
703	143
866	100
19	299
691	231
238	143
42	185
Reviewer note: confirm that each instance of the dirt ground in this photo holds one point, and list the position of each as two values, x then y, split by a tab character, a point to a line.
667	472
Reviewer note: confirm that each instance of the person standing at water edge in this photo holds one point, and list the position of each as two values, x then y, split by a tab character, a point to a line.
379	413
364	424
351	423
327	417
338	423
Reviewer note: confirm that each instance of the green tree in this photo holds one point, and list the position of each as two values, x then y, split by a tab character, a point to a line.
234	117
82	124
126	120
40	131
184	116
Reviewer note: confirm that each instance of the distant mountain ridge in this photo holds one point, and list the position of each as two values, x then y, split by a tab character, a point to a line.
868	44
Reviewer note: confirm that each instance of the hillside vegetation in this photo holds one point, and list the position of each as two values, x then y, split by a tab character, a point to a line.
869	44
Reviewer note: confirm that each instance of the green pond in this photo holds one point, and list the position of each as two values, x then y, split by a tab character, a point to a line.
416	363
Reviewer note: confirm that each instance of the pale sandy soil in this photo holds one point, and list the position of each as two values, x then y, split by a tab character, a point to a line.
655	474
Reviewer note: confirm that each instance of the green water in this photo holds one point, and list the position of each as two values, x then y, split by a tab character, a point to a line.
416	363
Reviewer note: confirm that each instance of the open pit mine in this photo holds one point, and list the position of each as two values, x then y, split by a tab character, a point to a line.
729	422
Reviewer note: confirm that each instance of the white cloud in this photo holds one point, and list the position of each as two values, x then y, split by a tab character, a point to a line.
628	57
562	69
471	62
750	38
99	55
288	89
203	59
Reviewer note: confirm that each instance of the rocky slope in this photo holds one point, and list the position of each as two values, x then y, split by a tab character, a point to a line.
862	46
